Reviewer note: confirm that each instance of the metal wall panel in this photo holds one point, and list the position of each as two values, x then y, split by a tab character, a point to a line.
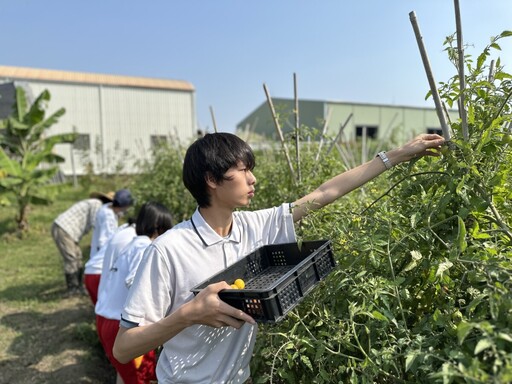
399	122
119	120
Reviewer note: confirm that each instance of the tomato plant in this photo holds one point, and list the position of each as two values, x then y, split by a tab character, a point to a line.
423	288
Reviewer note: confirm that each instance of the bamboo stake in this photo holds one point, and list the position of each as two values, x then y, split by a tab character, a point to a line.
348	151
364	137
462	78
324	129
343	156
297	128
340	131
490	78
435	94
213	119
279	132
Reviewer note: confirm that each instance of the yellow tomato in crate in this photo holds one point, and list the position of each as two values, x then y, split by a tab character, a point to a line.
234	286
240	283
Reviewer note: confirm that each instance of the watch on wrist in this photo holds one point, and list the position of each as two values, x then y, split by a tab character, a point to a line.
385	159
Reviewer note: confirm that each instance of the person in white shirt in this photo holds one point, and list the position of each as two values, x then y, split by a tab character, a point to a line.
67	231
204	339
105	226
122	258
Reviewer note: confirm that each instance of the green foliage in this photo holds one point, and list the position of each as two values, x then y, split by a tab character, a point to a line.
423	288
27	160
161	180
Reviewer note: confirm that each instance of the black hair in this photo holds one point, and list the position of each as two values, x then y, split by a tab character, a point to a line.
153	218
210	157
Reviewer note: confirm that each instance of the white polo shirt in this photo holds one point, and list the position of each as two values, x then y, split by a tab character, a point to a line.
105	226
183	257
119	277
115	246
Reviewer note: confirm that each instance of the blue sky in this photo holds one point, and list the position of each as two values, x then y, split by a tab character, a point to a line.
362	51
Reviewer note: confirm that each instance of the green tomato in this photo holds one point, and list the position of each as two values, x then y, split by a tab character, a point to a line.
457	317
506	138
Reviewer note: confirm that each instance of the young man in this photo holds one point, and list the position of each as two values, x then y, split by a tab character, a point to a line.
204	339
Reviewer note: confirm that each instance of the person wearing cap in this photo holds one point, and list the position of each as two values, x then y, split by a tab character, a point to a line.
105	226
67	231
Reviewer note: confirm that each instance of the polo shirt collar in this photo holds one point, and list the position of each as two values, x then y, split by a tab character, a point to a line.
208	236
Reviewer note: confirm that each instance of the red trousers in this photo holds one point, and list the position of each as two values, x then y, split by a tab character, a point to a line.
137	371
92	283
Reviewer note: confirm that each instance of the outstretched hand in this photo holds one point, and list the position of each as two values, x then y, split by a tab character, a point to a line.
422	145
207	308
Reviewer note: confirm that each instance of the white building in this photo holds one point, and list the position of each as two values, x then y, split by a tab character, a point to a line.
118	118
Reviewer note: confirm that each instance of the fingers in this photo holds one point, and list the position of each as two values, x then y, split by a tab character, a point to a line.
217	287
430	136
210	310
236	315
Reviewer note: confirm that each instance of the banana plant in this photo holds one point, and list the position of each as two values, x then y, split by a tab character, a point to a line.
27	160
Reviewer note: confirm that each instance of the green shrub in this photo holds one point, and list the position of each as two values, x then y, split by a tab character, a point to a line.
423	288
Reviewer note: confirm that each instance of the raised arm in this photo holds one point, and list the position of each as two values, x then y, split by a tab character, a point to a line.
346	182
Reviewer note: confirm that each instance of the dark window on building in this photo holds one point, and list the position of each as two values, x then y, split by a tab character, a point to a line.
158	140
82	142
371	131
439	131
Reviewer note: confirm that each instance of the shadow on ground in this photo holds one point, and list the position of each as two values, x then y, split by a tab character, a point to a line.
56	347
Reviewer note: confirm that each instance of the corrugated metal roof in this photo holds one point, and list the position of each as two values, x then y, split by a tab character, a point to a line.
21	73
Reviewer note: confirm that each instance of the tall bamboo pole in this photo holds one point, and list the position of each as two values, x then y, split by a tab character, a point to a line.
279	132
340	131
324	130
297	129
213	119
364	136
435	94
490	78
462	78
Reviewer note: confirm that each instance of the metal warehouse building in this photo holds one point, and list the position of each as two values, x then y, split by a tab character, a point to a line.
376	121
118	118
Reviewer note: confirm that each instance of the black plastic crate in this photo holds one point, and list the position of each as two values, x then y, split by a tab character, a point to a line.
277	277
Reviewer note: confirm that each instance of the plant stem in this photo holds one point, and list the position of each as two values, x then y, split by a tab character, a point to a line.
398	183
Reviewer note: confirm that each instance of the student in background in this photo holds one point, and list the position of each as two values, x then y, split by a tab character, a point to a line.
67	231
119	268
105	226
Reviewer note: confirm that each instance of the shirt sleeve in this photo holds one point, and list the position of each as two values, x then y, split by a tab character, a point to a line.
149	297
134	264
106	225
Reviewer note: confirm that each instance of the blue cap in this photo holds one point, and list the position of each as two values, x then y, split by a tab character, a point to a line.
123	198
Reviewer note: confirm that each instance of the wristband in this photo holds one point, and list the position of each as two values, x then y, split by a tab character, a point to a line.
385	160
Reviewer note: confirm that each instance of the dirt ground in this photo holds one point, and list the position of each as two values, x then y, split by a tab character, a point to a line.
55	345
